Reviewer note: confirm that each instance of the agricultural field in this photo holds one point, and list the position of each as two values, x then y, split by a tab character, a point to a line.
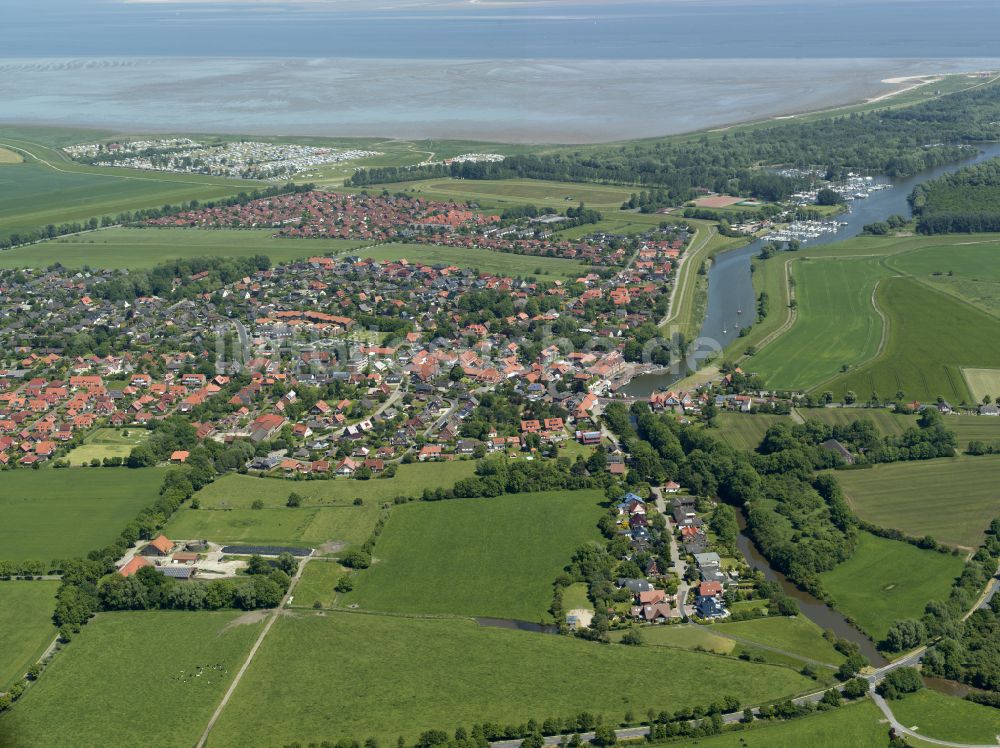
477	557
798	637
49	188
26	627
389	676
483	260
174	685
888	580
959	265
969	428
234	491
836	323
102	443
504	192
887	422
952	500
941	717
142	248
682	636
744	431
48	514
983	383
317	582
10	157
858	725
932	336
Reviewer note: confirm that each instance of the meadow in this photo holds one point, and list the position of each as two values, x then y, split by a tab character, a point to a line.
317	582
347	675
796	636
26	627
952	500
102	443
984	384
836	324
968	428
504	192
10	157
744	431
941	717
50	188
888	580
477	557
963	266
682	636
932	336
49	514
143	248
887	422
483	260
171	686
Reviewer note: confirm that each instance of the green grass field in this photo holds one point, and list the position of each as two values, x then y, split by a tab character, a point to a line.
147	664
683	636
103	443
483	260
932	336
498	193
486	557
10	157
935	715
836	323
952	500
968	428
26	627
889	423
316	584
345	675
575	597
983	383
795	636
744	431
888	580
858	725
50	188
963	266
49	514
137	249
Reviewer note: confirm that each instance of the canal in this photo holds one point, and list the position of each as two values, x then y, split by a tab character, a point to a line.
731	297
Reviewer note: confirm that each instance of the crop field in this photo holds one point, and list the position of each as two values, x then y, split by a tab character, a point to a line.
26	627
48	514
982	383
932	336
941	717
503	192
141	248
240	491
887	422
859	725
10	157
483	260
888	580
836	324
952	500
744	431
483	557
962	266
327	528
796	636
388	676
174	684
967	428
103	443
49	188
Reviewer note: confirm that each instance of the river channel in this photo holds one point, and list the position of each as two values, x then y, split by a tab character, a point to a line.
731	296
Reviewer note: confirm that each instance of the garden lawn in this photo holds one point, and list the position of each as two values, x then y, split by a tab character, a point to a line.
932	337
796	636
141	248
858	725
888	580
26	627
157	670
744	431
836	323
48	514
103	443
477	557
240	491
349	675
482	260
951	499
935	715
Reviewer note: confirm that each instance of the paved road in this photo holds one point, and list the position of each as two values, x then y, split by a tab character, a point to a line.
678	564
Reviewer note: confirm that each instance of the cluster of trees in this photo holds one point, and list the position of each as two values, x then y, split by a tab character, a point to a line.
889	141
967	200
826	196
262	587
51	231
160	280
497	475
881	228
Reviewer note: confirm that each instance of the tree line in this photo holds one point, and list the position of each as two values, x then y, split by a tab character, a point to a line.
965	201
